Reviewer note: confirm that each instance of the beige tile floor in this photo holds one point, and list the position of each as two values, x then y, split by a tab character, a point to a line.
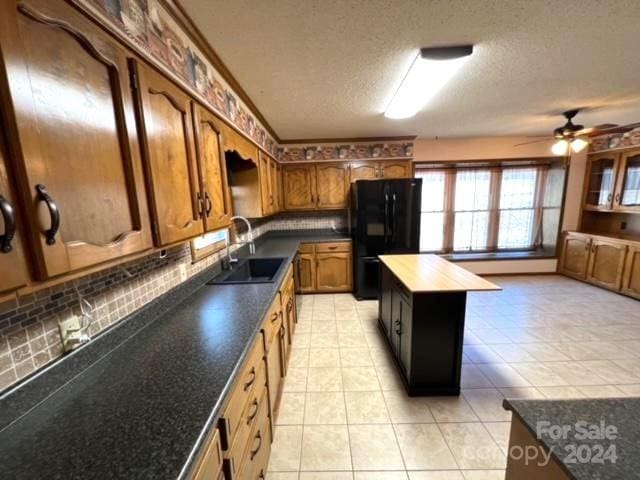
345	415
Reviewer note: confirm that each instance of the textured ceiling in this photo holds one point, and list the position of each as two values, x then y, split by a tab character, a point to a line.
328	68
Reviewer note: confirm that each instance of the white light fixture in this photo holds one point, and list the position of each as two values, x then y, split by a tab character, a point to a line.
578	144
562	146
430	71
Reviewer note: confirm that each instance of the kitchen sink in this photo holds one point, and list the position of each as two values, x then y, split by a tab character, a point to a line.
251	270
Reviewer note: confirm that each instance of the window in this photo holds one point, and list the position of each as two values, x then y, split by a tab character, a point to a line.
432	210
208	244
471	207
490	208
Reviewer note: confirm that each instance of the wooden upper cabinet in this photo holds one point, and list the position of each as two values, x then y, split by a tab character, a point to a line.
71	134
299	187
279	187
631	277
574	259
332	185
606	263
627	196
213	172
600	181
363	171
393	169
167	145
12	261
264	172
274	186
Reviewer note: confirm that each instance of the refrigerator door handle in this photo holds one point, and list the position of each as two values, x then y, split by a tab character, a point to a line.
393	219
386	218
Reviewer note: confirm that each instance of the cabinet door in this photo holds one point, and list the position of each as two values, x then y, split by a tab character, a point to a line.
275	371
172	176
600	181
306	272
606	263
404	336
273	186
12	262
333	272
72	136
333	185
213	171
384	307
299	186
395	169
574	259
627	196
631	278
363	171
280	194
264	172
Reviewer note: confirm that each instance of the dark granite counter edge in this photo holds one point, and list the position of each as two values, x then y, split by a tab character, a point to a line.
507	405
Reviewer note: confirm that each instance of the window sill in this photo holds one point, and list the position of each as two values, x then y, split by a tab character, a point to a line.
544	253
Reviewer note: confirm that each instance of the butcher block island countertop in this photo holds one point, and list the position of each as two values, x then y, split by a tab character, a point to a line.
431	273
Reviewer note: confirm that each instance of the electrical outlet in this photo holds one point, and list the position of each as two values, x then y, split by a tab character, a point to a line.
623	225
70	332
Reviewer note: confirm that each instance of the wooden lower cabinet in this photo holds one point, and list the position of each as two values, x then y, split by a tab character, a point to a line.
612	263
209	466
574	259
247	423
333	272
631	275
606	262
324	267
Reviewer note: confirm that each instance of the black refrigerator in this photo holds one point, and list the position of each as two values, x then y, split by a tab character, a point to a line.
385	218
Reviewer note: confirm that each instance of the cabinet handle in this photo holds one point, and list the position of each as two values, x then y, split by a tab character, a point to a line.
289	304
199	200
586	247
274	317
333	247
253	379
261	475
398	329
208	203
9	217
609	197
54	212
618	198
271	199
255	412
259	438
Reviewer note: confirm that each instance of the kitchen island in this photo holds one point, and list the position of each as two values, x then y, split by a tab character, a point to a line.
421	312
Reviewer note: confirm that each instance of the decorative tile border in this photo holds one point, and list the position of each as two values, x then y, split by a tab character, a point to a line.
29	335
615	140
155	32
344	151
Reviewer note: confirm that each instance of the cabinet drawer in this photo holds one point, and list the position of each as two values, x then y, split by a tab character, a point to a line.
330	247
270	324
211	462
306	248
254	465
248	422
242	391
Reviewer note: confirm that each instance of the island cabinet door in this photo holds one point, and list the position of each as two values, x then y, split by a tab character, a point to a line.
384	306
333	185
631	279
606	263
404	336
164	113
71	135
213	172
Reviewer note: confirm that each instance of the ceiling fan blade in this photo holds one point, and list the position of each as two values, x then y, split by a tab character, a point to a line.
608	128
595	128
534	141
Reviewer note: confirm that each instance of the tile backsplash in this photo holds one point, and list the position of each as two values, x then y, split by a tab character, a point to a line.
29	334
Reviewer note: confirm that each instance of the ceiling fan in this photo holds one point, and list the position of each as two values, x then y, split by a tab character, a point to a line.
571	136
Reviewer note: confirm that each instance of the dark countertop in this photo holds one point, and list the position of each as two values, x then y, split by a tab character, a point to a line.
621	413
137	401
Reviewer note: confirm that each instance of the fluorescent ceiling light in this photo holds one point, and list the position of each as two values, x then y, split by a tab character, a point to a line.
429	72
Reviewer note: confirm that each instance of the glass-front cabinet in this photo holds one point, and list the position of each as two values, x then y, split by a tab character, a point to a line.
601	181
613	181
627	196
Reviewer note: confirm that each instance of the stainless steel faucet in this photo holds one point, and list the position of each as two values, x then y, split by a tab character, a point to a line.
252	247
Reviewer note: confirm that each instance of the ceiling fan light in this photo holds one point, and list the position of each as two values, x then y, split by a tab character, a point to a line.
561	147
430	71
578	144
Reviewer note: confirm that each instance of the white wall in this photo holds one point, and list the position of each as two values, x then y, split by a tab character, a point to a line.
457	149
